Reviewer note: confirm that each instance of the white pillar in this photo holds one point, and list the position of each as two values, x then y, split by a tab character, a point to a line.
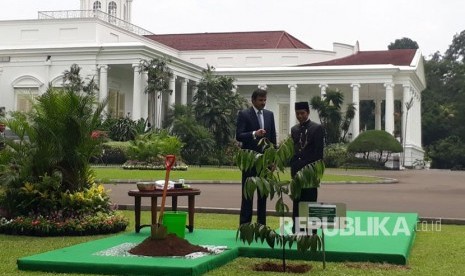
416	117
378	104
323	87
194	91
184	91
389	109
145	96
159	104
129	11
292	100
406	98
136	92
103	85
356	102
172	96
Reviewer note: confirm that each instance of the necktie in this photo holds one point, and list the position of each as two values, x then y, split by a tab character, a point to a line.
260	119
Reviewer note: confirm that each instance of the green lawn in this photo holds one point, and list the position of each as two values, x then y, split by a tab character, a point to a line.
434	252
205	173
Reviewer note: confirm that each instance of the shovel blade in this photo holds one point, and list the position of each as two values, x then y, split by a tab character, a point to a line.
159	232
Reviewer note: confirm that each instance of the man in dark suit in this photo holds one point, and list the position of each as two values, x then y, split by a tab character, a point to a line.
253	124
308	140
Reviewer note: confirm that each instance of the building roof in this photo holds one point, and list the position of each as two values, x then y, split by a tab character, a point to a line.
230	41
400	57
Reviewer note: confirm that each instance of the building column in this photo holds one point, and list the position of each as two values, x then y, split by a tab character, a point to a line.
144	104
292	100
407	104
415	116
323	87
103	85
378	104
184	91
172	96
194	91
389	109
159	106
136	92
356	102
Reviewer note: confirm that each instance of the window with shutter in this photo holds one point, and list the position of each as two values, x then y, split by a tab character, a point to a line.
25	98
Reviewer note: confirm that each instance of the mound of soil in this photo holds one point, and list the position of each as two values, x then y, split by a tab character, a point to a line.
278	267
172	245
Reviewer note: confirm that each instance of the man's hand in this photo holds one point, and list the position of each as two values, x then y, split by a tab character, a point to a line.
260	133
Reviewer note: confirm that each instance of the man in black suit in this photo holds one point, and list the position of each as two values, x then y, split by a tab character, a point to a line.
308	140
253	124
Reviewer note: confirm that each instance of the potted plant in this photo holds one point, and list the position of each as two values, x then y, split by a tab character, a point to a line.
427	161
269	165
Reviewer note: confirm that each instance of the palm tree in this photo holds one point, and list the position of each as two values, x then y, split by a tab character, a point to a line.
63	122
159	75
198	141
329	111
216	106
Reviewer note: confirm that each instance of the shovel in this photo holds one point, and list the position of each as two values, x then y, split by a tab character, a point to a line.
159	230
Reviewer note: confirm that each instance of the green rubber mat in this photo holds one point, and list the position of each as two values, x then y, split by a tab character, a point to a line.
373	236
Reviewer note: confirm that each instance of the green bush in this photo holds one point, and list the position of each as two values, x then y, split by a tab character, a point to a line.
45	173
448	153
153	146
124	129
113	152
335	155
377	143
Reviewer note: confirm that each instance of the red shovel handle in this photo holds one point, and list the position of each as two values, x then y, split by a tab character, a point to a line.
169	161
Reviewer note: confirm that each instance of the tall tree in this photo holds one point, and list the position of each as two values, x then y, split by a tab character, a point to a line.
159	75
403	43
456	50
198	141
336	123
216	106
443	105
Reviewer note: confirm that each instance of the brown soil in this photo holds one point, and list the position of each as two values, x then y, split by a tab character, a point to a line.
278	267
172	245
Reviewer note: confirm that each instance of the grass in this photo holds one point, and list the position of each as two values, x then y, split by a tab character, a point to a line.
434	252
206	173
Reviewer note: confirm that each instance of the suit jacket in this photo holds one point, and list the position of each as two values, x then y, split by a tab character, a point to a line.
247	122
308	144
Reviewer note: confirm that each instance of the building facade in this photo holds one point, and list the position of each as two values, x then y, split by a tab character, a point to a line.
102	41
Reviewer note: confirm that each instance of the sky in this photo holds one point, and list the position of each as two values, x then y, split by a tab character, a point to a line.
318	23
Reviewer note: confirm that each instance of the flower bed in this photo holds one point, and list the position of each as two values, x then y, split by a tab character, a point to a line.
94	224
137	165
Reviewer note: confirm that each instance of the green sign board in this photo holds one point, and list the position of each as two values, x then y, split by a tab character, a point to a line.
326	215
322	211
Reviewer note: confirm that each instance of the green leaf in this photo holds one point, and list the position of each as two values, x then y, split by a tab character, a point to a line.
270	238
291	240
263	232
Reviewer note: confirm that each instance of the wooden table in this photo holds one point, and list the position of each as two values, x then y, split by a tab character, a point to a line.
174	194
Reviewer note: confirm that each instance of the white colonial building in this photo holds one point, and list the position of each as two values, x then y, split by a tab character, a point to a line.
101	40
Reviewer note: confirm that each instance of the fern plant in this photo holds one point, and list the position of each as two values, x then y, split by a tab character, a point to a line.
269	165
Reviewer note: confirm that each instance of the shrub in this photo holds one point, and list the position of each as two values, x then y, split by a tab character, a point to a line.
151	147
335	155
113	152
448	153
123	129
379	142
47	171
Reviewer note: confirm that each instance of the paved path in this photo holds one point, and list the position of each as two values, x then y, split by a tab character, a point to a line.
430	193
